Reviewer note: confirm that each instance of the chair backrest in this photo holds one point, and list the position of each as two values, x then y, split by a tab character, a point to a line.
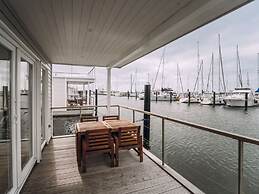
111	117
129	136
100	139
88	118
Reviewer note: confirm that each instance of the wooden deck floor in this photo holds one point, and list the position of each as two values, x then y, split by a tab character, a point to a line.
58	173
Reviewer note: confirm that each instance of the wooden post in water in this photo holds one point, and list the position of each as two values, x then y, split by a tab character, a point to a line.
86	95
146	122
136	97
96	102
246	101
189	97
156	96
90	93
128	94
171	97
214	98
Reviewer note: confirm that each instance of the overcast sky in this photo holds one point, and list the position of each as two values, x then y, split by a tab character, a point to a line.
239	27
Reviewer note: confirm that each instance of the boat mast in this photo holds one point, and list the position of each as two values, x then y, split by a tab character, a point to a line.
197	79
136	73
212	72
163	72
202	81
131	83
198	63
161	60
179	80
221	67
257	70
239	72
247	79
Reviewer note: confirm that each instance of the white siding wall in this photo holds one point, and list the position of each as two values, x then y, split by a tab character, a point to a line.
59	93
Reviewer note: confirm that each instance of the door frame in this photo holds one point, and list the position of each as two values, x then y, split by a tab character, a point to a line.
44	104
24	173
13	115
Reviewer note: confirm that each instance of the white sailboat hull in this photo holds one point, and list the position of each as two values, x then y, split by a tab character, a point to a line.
237	99
192	100
209	101
160	98
240	102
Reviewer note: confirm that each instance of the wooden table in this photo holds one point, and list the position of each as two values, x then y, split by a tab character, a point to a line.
81	128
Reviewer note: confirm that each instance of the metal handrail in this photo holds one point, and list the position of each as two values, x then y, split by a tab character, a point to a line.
187	123
201	127
81	107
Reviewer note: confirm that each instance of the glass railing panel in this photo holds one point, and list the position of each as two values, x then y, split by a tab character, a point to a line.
251	168
156	136
207	160
64	120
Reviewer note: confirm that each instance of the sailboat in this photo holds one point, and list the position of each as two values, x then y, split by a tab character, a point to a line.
257	91
194	98
164	94
133	82
238	96
208	97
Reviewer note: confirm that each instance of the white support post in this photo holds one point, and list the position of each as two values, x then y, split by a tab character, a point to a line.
109	90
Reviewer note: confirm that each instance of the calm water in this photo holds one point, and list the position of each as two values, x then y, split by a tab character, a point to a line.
209	161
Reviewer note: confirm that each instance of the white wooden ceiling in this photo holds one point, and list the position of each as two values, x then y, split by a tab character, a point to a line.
112	32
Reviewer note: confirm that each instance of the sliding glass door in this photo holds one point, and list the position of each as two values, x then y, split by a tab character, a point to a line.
6	163
25	92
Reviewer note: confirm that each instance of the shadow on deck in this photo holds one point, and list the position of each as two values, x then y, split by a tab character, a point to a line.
58	173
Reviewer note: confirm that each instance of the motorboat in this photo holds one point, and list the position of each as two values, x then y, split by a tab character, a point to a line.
238	97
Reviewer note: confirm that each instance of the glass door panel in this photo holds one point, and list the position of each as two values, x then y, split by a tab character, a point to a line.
26	111
5	123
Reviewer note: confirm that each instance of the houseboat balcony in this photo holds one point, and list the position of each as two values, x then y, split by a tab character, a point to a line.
156	174
58	173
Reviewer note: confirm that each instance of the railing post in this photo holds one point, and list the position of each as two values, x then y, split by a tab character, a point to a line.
189	97
80	110
163	141
119	111
246	101
214	98
240	166
146	122
96	102
90	96
133	116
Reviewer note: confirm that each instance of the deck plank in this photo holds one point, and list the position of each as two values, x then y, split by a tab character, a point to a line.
58	173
